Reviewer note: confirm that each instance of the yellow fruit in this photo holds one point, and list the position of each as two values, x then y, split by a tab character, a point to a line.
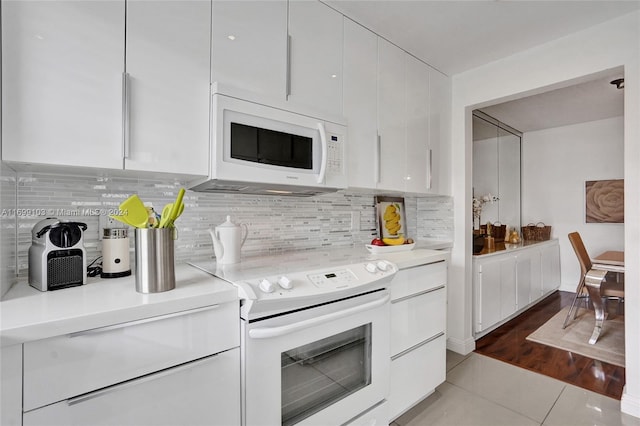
393	241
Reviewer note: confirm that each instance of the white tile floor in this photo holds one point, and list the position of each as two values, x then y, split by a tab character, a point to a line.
483	391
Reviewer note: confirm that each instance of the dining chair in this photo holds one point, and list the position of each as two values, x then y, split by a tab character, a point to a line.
612	287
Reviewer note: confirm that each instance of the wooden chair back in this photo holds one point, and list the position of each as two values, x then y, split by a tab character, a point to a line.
581	252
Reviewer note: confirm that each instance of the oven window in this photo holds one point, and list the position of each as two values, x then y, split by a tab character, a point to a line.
318	374
266	146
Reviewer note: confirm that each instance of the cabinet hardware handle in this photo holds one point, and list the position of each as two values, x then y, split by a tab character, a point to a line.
139	322
378	155
288	70
137	381
325	151
272	332
430	171
126	113
414	347
411	296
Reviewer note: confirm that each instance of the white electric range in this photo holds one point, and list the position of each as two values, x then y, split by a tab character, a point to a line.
315	336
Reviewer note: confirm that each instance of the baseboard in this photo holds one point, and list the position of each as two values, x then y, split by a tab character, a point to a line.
630	404
462	347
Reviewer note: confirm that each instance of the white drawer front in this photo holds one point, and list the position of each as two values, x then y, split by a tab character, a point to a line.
417	318
202	392
66	366
416	374
418	279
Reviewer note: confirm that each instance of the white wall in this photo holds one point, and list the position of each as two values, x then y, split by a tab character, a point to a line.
555	165
563	62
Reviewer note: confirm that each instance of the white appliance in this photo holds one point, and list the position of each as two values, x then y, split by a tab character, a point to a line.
262	147
314	337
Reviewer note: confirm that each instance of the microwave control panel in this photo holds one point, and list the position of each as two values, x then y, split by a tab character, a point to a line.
334	153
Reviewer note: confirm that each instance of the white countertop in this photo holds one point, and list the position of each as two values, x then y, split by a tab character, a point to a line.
27	314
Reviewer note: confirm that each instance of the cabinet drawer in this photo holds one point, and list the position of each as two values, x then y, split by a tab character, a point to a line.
417	318
416	374
418	279
66	366
202	392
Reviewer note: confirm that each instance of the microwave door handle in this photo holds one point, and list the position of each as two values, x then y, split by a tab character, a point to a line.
323	161
271	332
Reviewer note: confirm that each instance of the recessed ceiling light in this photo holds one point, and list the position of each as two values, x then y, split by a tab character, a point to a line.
231	37
334	75
619	83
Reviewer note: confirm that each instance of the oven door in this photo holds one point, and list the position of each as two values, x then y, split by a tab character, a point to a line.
319	366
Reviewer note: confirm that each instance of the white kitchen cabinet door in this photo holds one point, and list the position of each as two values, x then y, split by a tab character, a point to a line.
391	116
417	175
507	286
11	385
62	98
202	392
550	266
416	319
360	103
249	41
65	366
168	67
495	280
416	374
315	54
439	132
488	298
524	283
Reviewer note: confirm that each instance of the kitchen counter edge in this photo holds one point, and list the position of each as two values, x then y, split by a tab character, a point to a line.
27	314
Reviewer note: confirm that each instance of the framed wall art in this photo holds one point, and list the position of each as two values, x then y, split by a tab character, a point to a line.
391	217
604	201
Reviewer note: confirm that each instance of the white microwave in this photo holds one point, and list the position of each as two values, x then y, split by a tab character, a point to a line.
259	148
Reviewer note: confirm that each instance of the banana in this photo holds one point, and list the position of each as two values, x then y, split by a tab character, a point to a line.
393	241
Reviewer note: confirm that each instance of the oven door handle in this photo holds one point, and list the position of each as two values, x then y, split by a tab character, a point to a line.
270	332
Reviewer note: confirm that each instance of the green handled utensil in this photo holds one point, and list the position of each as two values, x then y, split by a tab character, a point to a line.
166	212
134	213
174	210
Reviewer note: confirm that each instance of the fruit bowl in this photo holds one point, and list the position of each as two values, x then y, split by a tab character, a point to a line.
389	249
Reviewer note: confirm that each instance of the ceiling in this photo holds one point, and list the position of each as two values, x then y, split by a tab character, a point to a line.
454	36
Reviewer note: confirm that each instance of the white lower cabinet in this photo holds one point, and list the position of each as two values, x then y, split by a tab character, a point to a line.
180	368
202	392
506	283
416	374
418	340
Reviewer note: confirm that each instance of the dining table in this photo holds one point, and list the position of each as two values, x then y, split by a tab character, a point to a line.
608	261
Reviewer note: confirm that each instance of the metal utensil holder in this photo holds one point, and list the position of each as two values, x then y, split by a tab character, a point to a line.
155	269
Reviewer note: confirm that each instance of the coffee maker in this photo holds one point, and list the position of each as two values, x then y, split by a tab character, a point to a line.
57	258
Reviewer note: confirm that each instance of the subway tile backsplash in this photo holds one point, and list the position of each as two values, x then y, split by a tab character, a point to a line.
275	223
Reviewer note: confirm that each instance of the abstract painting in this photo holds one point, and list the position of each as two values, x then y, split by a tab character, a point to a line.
604	201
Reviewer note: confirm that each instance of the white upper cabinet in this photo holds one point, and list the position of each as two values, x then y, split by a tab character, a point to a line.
249	41
395	115
167	64
440	131
62	64
360	103
392	131
68	101
315	56
417	174
281	50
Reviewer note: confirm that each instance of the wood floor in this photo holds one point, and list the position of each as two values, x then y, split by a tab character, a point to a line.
508	343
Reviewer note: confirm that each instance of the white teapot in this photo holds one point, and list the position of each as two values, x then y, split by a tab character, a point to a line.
227	241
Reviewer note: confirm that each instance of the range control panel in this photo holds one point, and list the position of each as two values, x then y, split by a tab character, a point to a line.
299	284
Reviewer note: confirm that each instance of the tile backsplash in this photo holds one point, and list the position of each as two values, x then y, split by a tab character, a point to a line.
275	223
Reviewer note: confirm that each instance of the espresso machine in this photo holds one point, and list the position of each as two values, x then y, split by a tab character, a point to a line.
57	258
